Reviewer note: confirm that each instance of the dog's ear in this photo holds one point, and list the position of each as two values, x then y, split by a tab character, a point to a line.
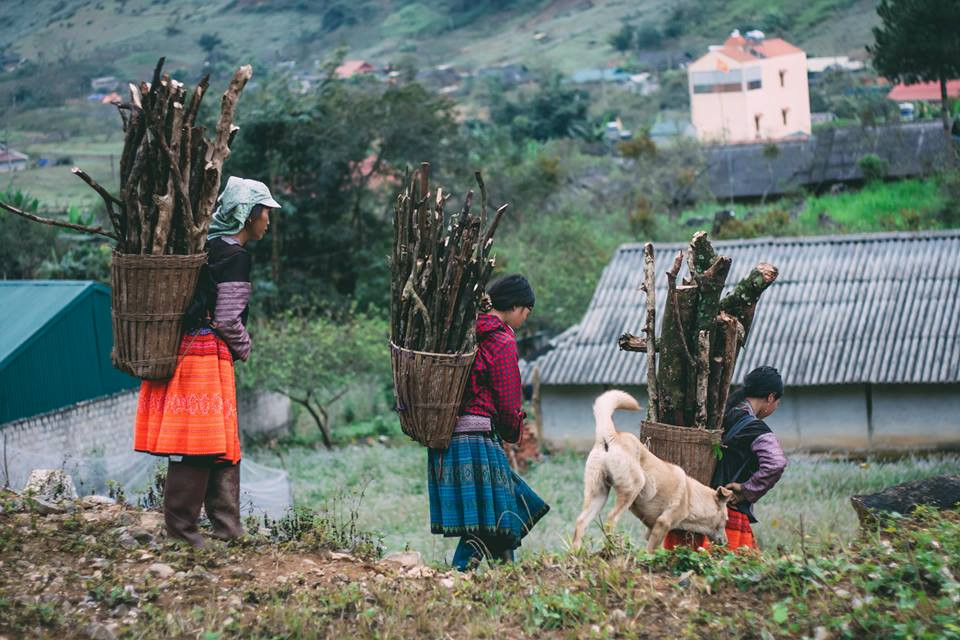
723	494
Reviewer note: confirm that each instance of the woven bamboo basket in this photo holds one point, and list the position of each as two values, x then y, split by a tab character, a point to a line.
693	450
149	297
429	389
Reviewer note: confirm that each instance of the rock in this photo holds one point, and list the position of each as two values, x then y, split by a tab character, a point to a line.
97	631
162	571
618	615
234	602
942	492
446	583
141	535
51	485
336	555
90	502
684	579
406	559
44	507
127	541
821	633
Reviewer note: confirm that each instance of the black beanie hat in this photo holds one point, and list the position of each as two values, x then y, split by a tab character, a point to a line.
763	381
510	291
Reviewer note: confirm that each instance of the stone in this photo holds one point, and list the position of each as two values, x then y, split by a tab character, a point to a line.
141	535
684	579
160	570
941	492
407	559
44	507
446	583
90	502
336	555
97	631
234	602
51	485
822	633
127	541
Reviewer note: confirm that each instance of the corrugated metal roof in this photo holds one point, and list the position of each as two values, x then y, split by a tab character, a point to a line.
880	308
26	306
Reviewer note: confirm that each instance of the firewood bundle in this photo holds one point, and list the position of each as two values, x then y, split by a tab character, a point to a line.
169	172
701	334
440	267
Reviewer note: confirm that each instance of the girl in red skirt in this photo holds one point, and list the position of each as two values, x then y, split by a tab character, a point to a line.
753	460
192	417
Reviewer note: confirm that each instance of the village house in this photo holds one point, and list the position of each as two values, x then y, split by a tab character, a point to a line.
351	68
12	160
865	330
750	88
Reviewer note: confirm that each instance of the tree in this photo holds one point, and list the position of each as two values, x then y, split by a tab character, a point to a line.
622	39
315	360
24	245
334	154
918	41
553	111
209	42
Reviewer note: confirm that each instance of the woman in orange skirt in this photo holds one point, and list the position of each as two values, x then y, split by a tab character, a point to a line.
192	417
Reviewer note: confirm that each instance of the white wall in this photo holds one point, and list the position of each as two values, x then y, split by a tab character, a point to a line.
826	418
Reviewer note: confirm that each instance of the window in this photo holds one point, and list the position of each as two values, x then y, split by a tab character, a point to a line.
753	76
783	112
754	84
756	123
783	74
717	81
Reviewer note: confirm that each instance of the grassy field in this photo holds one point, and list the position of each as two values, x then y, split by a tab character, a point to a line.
387	486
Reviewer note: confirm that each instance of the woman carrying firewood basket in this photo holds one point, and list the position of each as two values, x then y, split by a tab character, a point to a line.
753	459
192	417
474	494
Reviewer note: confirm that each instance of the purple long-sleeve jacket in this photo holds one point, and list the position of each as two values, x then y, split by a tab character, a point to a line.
753	457
229	265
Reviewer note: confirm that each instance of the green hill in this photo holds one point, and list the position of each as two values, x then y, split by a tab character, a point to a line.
127	36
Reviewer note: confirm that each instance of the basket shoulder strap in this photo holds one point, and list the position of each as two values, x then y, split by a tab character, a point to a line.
737	428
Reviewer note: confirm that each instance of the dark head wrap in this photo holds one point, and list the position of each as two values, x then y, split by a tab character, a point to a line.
508	292
763	381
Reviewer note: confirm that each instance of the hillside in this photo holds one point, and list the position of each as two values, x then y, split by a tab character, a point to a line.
106	571
127	36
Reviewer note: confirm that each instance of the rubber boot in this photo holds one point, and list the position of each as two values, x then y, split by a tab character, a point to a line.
222	501
182	499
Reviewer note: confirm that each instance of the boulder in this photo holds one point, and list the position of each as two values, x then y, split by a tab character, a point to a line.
407	559
942	492
50	485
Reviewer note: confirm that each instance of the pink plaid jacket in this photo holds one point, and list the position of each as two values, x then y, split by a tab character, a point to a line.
494	388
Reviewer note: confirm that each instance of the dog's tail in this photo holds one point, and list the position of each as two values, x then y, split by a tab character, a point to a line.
603	408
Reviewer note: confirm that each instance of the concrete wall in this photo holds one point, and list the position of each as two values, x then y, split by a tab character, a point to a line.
106	424
827	418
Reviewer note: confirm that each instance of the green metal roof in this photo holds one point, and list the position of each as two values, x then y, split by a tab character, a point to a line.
27	306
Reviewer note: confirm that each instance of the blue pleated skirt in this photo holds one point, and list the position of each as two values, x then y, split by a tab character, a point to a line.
473	490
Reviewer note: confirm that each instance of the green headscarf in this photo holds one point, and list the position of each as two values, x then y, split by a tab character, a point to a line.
234	205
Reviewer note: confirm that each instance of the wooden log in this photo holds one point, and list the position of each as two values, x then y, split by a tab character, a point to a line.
649	289
731	340
741	303
676	349
630	342
710	283
701	254
57	223
702	377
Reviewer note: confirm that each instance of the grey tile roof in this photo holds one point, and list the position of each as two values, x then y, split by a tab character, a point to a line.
880	308
830	155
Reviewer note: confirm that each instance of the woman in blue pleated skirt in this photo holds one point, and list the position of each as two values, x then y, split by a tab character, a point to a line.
474	494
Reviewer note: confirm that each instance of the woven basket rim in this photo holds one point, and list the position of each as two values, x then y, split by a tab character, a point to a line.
149	257
430	353
677	426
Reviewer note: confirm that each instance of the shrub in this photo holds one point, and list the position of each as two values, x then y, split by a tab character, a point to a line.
873	167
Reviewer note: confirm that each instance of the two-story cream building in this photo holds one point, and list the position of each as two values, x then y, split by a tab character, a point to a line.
750	88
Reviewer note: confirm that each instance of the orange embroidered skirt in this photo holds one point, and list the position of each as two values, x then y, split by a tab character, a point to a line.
194	413
739	535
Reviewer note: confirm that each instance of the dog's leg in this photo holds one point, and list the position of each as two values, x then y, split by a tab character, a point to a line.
624	500
595	492
661	527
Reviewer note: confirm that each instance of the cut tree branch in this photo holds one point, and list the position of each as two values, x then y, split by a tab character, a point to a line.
58	223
